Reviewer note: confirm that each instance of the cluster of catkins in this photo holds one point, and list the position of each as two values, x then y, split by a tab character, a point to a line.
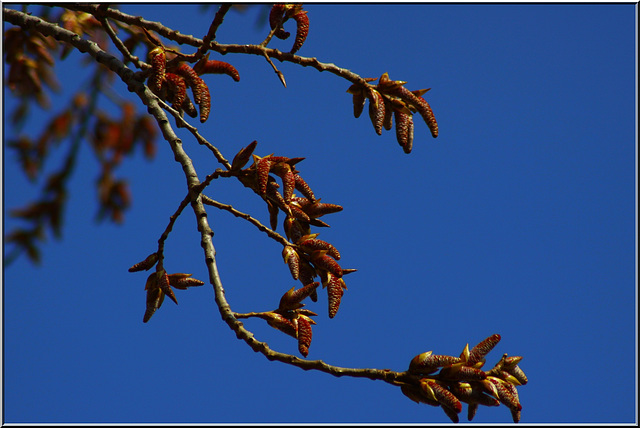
461	379
389	100
280	13
159	284
306	256
170	83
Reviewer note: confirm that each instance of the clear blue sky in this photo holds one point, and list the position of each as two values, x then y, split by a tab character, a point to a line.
519	219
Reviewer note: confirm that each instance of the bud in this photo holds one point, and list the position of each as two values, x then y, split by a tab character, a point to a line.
302	30
292	259
146	264
479	351
304	335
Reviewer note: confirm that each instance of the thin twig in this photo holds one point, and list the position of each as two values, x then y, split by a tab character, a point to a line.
278	72
117	42
28	22
271	233
169	228
223	49
211	34
201	140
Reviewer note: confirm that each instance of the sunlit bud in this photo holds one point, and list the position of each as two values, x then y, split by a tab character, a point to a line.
479	351
243	156
310	245
461	372
275	16
304	335
302	30
212	66
281	323
464	355
376	110
335	291
184	281
158	61
509	378
443	395
318	209
427	363
163	283
155	298
404	130
321	260
517	373
199	88
292	259
298	213
274	195
304	188
263	165
294	229
152	282
387	121
307	273
505	394
146	264
358	103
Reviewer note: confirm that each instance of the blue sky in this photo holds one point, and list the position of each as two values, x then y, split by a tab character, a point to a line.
519	219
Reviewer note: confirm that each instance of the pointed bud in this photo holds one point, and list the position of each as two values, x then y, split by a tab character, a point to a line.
293	228
155	298
505	393
304	335
263	165
460	372
376	110
163	283
216	67
358	103
445	397
387	121
182	281
479	351
276	16
472	408
281	323
158	61
199	88
404	130
517	373
318	209
307	273
243	156
321	260
452	414
298	213
302	30
335	291
310	245
292	259
146	264
427	363
304	188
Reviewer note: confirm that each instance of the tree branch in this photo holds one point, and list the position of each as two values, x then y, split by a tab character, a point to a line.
151	101
223	49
